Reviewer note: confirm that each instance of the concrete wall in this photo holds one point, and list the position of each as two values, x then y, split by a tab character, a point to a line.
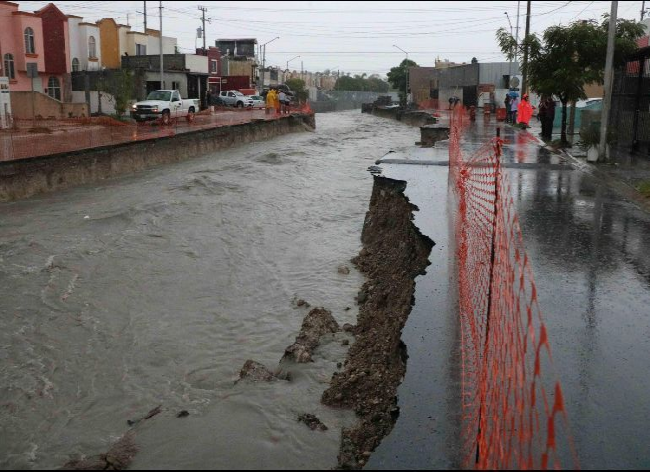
27	177
21	104
108	102
196	63
493	72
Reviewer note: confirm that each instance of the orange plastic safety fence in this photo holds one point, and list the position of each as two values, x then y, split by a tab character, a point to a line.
513	408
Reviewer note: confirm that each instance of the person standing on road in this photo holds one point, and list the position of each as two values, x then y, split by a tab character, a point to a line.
547	115
524	111
508	112
270	101
514	106
276	101
282	97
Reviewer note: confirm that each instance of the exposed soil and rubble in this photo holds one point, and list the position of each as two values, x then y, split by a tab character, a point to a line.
394	254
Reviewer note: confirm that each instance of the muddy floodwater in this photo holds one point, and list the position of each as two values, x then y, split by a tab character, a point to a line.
155	289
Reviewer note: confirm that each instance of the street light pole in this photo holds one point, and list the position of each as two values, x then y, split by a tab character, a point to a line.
264	58
406	84
510	66
290	61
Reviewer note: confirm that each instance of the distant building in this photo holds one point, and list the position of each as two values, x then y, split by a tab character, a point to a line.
237	47
56	49
22	47
187	73
214	67
475	84
446	64
238	58
85	45
118	41
113	42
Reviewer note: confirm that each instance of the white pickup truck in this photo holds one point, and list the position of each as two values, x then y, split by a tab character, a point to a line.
165	105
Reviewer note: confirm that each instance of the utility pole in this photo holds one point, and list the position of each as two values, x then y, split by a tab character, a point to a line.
524	79
264	58
144	13
517	33
203	10
642	9
162	81
609	76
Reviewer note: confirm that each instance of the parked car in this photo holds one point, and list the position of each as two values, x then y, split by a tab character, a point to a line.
587	102
165	105
258	101
235	98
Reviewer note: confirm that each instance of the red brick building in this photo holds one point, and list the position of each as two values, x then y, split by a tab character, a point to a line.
56	43
214	67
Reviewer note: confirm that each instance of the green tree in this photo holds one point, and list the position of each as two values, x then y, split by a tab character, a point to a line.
298	87
567	58
360	83
397	77
120	84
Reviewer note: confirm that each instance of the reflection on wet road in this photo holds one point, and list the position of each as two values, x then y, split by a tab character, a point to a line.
589	251
589	248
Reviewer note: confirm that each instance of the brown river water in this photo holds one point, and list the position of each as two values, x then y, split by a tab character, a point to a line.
154	289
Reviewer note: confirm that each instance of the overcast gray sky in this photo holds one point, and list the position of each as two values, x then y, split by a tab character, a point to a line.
354	37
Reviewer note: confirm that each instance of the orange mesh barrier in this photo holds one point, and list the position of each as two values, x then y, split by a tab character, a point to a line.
513	409
42	137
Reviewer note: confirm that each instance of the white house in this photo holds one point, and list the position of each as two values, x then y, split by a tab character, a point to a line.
85	45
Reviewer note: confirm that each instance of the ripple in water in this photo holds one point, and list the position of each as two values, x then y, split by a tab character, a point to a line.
177	277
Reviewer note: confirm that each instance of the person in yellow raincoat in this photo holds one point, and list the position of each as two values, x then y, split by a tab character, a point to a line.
271	98
276	98
524	111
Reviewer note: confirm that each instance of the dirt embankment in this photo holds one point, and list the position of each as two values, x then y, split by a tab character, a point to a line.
394	253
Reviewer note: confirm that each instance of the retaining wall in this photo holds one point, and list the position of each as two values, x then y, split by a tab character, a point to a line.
44	106
27	177
412	118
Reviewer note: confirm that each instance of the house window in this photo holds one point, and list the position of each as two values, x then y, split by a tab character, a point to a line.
213	66
29	41
54	88
9	66
175	85
92	47
75	65
140	49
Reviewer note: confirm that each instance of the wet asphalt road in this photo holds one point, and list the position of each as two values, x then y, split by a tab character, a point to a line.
591	260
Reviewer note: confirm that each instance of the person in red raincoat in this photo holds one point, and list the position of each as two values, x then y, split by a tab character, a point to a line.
525	111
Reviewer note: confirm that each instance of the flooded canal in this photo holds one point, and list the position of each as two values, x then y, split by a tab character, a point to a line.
155	289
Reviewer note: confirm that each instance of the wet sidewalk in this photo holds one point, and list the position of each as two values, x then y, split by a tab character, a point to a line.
53	137
588	247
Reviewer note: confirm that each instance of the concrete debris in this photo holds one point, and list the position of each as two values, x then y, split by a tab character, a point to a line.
318	322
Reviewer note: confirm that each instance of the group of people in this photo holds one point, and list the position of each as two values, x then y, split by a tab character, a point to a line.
521	111
277	102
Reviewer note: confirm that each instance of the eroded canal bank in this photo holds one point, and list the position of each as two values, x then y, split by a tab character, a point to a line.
155	289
